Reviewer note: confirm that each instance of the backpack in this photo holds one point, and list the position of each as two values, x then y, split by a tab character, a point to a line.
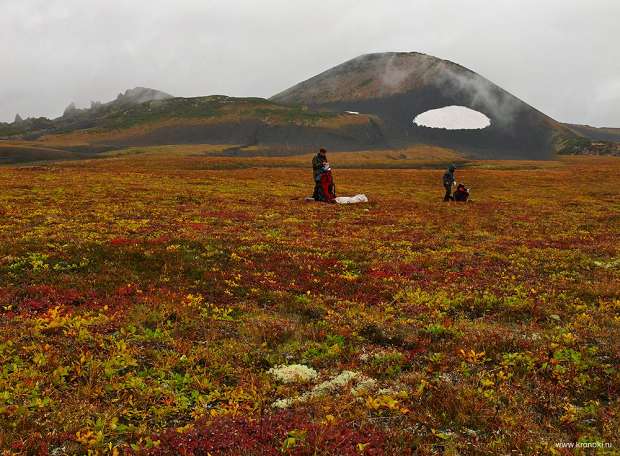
461	193
327	188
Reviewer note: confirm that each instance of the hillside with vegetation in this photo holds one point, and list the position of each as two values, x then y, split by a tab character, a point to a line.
242	122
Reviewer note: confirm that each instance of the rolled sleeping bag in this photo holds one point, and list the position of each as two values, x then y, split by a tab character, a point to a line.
352	199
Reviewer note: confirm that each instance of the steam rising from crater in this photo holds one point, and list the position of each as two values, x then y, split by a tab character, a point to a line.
482	94
453	118
393	75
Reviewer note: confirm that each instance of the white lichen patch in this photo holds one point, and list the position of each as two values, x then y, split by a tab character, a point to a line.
335	383
360	384
295	373
284	403
364	387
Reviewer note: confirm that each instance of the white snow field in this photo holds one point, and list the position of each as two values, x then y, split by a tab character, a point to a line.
453	118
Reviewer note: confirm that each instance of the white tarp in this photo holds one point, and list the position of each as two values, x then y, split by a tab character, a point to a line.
351	199
345	199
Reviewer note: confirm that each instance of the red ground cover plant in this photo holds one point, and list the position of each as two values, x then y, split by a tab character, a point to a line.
288	433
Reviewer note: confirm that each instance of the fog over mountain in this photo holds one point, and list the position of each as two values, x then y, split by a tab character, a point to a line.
560	57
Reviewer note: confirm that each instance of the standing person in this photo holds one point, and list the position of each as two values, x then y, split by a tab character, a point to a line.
317	167
448	182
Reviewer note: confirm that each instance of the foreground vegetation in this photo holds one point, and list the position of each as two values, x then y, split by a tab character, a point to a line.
172	304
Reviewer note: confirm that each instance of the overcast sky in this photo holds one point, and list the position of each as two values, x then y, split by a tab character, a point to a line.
561	56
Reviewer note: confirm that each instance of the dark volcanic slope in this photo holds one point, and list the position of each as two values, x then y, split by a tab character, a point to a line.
398	86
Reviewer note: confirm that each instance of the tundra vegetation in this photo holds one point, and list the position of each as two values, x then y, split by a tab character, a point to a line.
170	301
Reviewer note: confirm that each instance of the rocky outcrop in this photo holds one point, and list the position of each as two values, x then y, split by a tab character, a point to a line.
70	110
140	95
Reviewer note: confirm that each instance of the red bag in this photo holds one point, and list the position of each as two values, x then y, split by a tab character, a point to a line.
328	189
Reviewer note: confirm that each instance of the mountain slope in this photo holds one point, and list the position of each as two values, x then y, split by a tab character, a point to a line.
397	87
242	122
596	133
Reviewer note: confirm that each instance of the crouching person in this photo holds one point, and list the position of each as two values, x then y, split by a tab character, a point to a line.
461	194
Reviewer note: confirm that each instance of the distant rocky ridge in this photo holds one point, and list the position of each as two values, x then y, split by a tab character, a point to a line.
131	97
75	118
140	95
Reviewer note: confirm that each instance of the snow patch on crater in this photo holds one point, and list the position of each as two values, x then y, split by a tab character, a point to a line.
453	118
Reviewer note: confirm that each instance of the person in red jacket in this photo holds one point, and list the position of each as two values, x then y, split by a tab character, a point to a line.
327	188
